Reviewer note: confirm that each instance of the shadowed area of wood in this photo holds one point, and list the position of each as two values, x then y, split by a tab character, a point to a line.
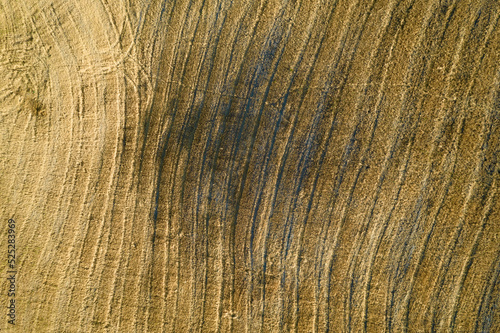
252	166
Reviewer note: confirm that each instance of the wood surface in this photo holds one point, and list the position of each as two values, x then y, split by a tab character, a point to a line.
251	165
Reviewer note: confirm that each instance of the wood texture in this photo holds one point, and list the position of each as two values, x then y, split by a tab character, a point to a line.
252	166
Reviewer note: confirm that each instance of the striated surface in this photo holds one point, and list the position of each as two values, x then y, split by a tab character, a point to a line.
251	166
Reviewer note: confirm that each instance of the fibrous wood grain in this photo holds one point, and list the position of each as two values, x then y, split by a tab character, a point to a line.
251	166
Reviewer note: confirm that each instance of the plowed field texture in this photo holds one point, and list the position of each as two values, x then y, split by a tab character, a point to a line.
249	166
